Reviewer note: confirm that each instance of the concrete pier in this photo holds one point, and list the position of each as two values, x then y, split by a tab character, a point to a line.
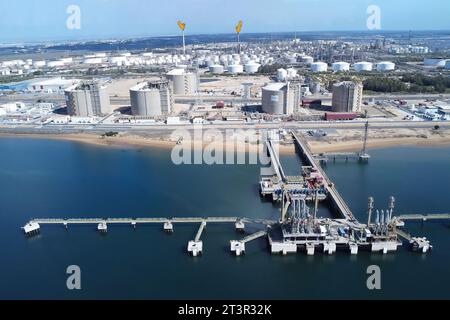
195	248
238	247
102	227
168	227
31	228
240	226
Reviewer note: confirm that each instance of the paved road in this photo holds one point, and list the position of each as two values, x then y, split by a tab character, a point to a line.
161	129
59	99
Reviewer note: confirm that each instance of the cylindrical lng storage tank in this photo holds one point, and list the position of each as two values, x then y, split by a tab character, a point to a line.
319	67
292	73
39	64
273	97
252	67
447	64
385	66
184	82
363	66
217	69
151	98
235	68
434	62
306	59
341	66
282	74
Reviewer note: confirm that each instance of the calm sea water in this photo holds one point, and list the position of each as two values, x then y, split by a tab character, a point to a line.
40	178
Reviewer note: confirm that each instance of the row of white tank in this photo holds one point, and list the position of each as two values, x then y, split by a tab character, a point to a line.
358	67
250	67
284	74
29	63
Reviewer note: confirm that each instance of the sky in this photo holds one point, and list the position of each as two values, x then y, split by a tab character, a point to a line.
46	20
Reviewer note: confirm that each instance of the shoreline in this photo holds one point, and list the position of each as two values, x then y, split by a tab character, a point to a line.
316	147
356	145
132	141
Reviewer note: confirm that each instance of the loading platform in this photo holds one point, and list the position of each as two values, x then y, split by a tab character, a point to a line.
334	195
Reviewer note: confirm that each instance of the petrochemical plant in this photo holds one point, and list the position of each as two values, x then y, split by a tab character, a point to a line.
277	80
276	85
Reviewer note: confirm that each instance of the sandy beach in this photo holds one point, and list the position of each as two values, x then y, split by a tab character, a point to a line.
343	141
127	141
352	140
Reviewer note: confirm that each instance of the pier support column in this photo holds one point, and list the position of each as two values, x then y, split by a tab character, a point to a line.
168	227
353	248
31	228
102	227
195	248
237	247
240	226
310	249
329	247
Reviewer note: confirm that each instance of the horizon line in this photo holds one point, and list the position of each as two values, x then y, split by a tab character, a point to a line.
137	37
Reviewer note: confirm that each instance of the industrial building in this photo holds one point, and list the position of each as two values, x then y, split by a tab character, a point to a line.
151	98
282	98
347	97
87	99
52	85
185	82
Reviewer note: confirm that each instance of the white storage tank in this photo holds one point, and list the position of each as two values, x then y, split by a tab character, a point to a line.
319	67
341	66
433	62
153	98
307	59
273	98
385	66
363	66
252	67
235	68
291	73
39	64
217	69
93	61
282	74
184	82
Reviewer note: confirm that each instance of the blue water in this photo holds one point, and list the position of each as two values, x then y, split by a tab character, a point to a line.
18	86
40	178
